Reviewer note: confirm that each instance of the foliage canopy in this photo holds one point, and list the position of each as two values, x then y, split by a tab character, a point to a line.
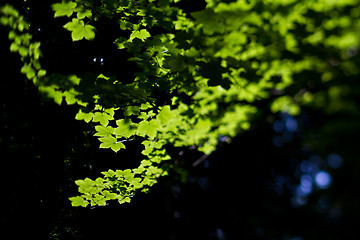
198	77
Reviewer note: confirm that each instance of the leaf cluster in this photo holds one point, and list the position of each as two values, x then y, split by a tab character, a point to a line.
199	77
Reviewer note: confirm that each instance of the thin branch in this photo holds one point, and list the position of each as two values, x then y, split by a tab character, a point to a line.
200	160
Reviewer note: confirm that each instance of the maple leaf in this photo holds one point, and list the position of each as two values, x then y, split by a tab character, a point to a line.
80	30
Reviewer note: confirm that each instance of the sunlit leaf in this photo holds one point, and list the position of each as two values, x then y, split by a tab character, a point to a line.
79	30
103	118
102	131
126	128
87	117
148	128
165	114
78	201
142	35
65	8
117	146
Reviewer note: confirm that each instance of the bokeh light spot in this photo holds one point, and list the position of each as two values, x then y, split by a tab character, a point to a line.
335	160
291	124
323	179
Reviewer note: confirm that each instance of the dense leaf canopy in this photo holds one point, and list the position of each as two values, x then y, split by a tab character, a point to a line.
168	79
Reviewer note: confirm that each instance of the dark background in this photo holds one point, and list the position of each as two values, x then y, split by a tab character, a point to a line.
248	189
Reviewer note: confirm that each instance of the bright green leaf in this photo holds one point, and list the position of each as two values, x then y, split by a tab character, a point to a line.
99	200
108	195
126	128
103	118
80	30
148	128
65	8
165	114
87	117
117	146
107	142
102	131
78	201
124	200
142	35
106	145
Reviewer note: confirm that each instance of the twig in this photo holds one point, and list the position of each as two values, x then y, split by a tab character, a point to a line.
200	160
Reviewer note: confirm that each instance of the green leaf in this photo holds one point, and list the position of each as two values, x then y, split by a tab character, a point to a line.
84	13
51	92
165	114
80	30
285	104
139	170
148	128
126	128
87	186
87	117
99	200
124	173
117	146
28	70
124	200
70	97
102	131
78	201
111	142
41	73
150	146
74	79
103	118
109	196
142	35
132	110
107	142
65	8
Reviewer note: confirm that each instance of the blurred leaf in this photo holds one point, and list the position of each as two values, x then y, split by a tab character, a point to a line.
84	13
142	35
165	114
126	128
148	128
65	8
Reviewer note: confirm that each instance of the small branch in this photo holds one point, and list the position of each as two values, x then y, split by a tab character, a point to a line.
200	160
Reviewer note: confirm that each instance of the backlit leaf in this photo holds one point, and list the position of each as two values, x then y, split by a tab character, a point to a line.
79	30
102	131
165	114
142	35
78	201
84	13
65	8
148	128
117	146
126	128
103	118
87	117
